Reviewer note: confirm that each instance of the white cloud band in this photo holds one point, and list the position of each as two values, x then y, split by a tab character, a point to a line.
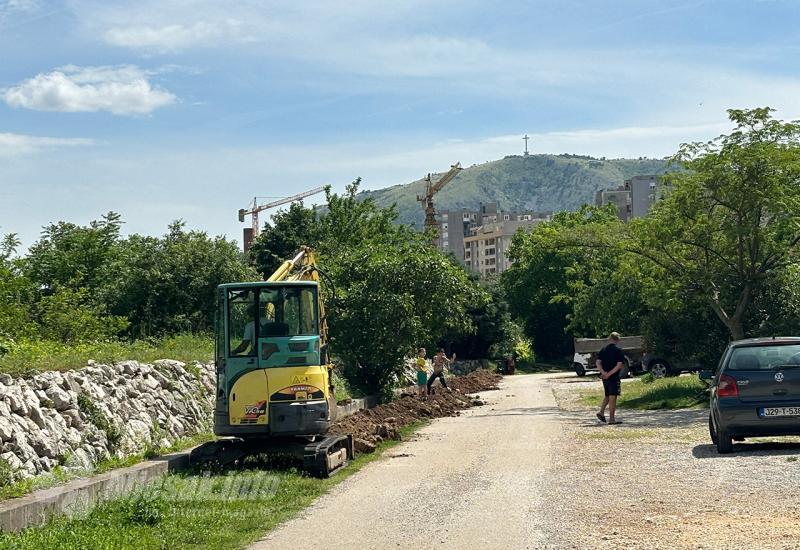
122	90
17	144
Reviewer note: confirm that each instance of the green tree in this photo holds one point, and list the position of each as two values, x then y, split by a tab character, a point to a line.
730	222
69	316
391	299
280	240
72	256
394	291
550	265
167	285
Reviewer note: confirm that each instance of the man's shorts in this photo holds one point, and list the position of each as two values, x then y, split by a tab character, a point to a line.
612	386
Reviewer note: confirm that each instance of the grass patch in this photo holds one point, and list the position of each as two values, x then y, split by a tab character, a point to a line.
229	510
28	357
681	392
61	475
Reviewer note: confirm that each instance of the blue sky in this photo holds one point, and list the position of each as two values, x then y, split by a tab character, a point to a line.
162	110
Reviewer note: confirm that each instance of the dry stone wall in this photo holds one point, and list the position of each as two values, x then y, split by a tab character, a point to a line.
76	419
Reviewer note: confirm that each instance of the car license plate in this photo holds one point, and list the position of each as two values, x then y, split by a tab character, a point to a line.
767	412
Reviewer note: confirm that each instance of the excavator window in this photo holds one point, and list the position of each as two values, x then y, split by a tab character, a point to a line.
241	323
288	311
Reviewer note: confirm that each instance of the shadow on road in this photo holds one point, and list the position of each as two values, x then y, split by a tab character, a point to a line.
681	418
771	448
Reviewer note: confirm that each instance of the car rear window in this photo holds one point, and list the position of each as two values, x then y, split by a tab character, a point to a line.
764	357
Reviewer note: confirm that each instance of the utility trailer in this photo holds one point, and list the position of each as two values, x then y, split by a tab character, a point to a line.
586	350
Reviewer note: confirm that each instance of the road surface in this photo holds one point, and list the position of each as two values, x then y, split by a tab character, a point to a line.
474	481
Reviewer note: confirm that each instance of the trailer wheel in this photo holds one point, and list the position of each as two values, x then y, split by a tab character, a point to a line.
579	370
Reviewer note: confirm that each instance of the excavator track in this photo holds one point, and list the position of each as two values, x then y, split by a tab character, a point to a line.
327	456
321	458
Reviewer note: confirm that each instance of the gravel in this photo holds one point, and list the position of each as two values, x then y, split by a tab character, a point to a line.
656	481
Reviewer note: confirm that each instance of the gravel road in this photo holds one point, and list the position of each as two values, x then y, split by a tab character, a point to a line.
534	469
472	481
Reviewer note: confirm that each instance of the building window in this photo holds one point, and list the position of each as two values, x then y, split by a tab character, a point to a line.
526	217
652	197
506	217
490	251
444	226
445	234
652	185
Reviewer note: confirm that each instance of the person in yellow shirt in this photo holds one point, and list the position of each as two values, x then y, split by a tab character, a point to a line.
422	374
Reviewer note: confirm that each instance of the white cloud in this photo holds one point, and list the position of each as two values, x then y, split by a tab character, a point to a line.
170	38
122	90
17	144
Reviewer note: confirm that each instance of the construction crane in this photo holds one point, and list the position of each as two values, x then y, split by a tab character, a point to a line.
430	190
251	233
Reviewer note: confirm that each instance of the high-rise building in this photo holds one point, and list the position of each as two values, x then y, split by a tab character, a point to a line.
480	238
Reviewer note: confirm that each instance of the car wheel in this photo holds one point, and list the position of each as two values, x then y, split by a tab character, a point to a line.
579	370
712	430
724	442
659	369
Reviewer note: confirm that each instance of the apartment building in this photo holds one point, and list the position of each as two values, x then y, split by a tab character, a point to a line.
633	199
486	249
456	225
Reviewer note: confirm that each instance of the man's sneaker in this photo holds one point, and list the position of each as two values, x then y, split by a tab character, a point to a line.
601	417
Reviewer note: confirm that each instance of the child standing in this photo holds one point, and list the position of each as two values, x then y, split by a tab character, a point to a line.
422	373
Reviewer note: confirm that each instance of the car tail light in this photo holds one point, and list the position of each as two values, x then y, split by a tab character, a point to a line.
726	387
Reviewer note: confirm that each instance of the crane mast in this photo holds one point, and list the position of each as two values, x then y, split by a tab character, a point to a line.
430	190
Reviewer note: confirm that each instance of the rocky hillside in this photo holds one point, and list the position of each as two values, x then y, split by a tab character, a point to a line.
535	182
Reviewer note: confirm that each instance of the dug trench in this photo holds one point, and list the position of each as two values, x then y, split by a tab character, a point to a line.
370	427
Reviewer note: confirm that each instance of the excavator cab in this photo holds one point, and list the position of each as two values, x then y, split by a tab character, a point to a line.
272	371
274	390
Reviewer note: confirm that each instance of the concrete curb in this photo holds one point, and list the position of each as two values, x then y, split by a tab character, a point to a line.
81	494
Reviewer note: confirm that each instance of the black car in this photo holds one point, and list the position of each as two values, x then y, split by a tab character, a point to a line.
755	391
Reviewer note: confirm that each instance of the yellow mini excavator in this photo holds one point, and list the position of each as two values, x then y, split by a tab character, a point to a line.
274	384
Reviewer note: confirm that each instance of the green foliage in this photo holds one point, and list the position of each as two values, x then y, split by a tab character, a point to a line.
96	417
68	316
167	285
394	292
71	256
730	222
276	243
390	299
539	182
29	356
496	334
143	507
6	474
191	511
551	270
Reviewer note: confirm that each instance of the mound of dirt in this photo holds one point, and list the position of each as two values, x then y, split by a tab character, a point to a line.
371	426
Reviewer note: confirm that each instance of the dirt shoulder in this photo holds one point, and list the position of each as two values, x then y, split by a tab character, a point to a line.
655	481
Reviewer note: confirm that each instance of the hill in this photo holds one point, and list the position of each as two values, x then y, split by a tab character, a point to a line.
535	182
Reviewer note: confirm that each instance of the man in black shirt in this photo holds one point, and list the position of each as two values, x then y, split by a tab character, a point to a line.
610	361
